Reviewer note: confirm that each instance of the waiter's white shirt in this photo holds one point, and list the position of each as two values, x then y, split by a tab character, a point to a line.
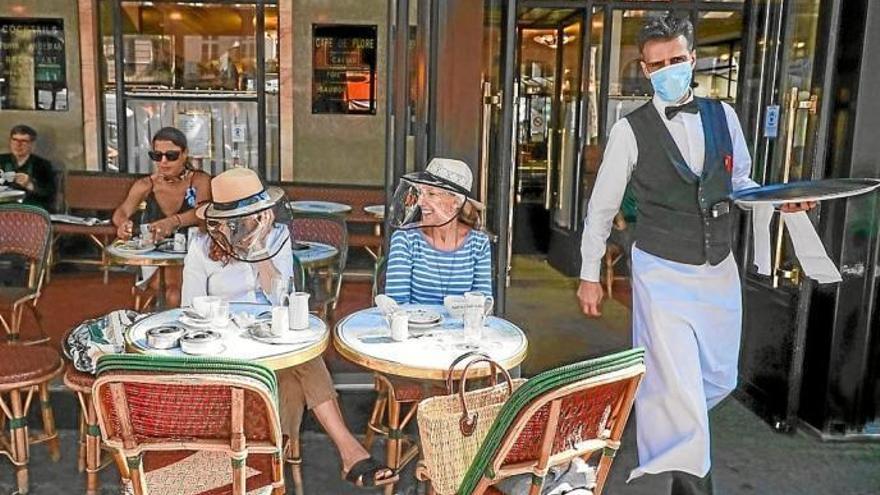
619	161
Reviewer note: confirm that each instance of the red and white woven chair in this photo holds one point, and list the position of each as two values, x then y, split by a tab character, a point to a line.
24	231
191	426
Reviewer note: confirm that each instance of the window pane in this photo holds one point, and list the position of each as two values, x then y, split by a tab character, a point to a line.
627	86
188	46
719	42
219	134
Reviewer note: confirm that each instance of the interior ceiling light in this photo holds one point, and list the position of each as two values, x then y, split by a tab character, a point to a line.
550	40
175	16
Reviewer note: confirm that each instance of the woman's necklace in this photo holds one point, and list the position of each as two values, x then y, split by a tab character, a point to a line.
442	273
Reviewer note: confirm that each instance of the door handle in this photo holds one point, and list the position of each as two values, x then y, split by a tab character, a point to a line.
795	104
489	101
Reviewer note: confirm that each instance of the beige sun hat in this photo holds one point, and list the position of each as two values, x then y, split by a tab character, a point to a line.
447	173
238	192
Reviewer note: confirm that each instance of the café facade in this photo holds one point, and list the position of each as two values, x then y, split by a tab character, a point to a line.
355	93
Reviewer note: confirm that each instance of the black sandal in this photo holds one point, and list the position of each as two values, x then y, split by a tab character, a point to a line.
363	474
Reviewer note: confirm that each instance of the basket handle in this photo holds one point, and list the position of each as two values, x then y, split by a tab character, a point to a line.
450	382
468	422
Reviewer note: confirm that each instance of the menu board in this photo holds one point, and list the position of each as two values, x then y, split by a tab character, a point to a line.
344	69
33	67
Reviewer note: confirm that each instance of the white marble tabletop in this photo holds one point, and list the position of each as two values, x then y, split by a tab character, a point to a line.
308	206
237	342
365	338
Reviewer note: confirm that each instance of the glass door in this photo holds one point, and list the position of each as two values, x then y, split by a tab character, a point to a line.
788	66
549	97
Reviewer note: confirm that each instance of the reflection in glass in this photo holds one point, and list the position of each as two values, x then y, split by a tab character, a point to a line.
220	134
569	100
719	42
593	148
173	51
627	86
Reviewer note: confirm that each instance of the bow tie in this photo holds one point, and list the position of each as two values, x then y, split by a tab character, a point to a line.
689	107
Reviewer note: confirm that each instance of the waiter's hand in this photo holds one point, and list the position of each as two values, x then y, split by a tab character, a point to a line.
796	207
590	296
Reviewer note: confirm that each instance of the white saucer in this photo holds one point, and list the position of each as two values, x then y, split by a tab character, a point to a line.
423	317
201	323
126	248
218	348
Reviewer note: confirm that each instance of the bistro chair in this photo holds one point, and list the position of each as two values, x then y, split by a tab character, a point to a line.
616	252
327	229
24	372
379	273
207	425
25	231
576	410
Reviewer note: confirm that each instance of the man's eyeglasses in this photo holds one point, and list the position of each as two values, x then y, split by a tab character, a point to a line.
21	141
156	156
655	66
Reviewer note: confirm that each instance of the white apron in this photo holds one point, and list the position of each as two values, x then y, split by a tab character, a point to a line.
689	320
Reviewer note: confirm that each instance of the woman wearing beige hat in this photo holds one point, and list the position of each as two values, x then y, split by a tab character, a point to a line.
438	249
246	249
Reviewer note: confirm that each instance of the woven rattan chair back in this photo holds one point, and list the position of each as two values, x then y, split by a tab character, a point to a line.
145	404
578	410
327	229
26	231
379	274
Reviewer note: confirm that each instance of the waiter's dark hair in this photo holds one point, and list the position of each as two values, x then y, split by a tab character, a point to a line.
666	27
24	129
171	134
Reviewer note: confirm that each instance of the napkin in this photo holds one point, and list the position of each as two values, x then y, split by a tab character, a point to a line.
808	247
386	305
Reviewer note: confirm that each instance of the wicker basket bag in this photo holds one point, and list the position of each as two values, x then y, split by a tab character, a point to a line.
453	426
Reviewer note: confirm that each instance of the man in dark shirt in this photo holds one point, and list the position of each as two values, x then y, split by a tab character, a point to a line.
33	174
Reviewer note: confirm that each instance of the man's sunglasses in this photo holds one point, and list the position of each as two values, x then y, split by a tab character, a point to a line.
156	156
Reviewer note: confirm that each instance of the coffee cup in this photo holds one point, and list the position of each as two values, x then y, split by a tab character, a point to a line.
298	309
399	326
280	321
454	306
205	305
180	241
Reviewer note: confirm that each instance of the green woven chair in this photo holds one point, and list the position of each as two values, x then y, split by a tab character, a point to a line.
210	425
578	410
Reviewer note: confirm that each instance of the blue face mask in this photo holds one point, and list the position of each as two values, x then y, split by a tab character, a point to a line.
672	82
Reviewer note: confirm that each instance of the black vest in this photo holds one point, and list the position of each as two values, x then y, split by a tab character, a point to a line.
681	216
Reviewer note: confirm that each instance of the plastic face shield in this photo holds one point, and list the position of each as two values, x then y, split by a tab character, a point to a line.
248	237
419	204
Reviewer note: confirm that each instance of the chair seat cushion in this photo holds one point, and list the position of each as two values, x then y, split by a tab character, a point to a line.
77	380
184	472
12	295
413	391
73	229
23	363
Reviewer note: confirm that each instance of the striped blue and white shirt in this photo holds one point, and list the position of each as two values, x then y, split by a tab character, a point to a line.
420	274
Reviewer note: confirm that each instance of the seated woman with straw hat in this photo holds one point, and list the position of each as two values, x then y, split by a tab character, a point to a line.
438	249
247	249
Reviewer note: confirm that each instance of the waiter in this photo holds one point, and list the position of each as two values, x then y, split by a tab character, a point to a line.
683	156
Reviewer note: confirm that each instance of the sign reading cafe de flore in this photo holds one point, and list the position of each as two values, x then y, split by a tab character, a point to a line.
33	73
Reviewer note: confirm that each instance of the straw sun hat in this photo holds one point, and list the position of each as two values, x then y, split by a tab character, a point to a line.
238	192
449	174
